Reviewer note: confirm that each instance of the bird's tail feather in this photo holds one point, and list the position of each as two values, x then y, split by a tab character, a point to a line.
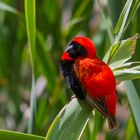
113	123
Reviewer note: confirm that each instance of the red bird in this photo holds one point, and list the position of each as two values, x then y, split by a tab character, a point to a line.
90	78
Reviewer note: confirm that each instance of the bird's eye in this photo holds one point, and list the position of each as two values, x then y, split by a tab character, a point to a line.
75	50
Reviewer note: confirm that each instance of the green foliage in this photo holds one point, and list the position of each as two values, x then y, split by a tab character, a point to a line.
7	135
70	122
121	52
134	103
6	7
31	44
31	32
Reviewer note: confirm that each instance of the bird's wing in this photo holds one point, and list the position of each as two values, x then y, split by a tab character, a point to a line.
98	104
118	98
75	86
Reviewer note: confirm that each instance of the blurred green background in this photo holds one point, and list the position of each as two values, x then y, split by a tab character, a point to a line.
57	22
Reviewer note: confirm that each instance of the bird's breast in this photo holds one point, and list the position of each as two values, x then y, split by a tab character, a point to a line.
95	76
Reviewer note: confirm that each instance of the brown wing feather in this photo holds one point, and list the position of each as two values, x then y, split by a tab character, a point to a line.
101	107
98	104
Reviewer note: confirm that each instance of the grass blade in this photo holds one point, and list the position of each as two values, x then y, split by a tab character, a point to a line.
122	24
135	7
123	51
81	8
44	55
134	102
122	20
130	129
127	65
70	122
126	74
31	25
8	135
6	7
31	32
98	124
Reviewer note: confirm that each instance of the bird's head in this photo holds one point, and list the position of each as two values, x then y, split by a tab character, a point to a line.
80	47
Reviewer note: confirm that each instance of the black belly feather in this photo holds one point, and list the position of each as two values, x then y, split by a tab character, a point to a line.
66	68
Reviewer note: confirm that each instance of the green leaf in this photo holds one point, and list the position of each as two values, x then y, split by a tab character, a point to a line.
44	55
70	122
127	13
73	27
134	102
130	130
106	21
133	11
124	51
126	74
110	53
8	135
98	125
6	7
31	32
81	13
121	52
31	25
82	8
51	10
136	67
127	65
123	17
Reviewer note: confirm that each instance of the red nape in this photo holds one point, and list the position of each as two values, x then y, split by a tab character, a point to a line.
66	56
87	44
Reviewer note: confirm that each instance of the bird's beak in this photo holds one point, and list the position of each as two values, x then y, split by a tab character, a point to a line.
69	48
76	50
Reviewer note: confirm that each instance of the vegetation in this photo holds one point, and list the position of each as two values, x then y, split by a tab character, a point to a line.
33	35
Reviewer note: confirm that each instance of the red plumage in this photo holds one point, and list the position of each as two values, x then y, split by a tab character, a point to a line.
96	79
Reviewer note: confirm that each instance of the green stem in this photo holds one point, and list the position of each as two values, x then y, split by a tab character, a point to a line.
121	31
31	32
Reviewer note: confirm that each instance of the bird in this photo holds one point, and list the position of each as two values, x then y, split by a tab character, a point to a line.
90	78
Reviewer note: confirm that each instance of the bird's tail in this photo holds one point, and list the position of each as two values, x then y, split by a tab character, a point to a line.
113	123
